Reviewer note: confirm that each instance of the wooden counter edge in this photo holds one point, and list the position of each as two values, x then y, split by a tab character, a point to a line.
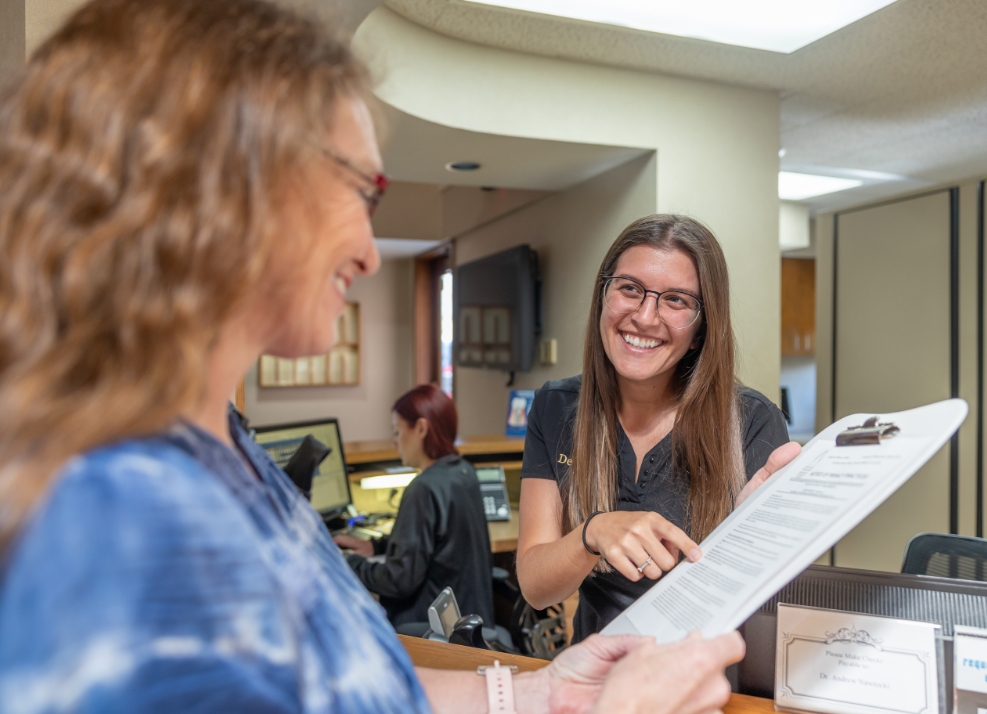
383	450
438	655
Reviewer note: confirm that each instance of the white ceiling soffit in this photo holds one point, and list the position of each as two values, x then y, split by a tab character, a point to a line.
775	25
902	91
399	248
418	150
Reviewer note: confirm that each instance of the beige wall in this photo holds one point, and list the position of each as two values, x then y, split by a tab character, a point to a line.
896	362
717	146
570	230
385	365
12	38
43	17
895	256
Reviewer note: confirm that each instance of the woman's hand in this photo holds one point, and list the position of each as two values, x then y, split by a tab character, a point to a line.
682	678
357	545
633	674
628	539
779	457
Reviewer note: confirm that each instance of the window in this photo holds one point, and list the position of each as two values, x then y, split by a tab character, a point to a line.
445	332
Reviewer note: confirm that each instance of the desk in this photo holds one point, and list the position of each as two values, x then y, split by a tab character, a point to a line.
359	453
503	534
437	655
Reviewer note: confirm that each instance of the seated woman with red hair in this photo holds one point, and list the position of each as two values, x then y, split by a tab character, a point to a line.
440	537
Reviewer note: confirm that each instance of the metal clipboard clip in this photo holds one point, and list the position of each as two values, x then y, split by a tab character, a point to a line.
870	432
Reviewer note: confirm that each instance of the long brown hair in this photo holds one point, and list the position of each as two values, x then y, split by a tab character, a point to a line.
706	434
144	150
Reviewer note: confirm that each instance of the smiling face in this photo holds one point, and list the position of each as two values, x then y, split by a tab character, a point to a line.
328	238
641	347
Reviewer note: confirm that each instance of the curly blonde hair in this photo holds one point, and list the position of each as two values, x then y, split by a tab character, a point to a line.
142	152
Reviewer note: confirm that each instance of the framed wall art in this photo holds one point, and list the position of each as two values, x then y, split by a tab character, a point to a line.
339	367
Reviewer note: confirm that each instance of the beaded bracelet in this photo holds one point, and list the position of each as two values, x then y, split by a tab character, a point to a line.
585	525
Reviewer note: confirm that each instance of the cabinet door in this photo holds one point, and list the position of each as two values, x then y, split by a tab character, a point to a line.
893	353
798	307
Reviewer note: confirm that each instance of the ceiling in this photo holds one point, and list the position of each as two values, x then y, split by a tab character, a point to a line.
399	248
418	150
902	91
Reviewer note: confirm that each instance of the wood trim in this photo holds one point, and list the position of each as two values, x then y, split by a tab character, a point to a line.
425	352
369	452
428	355
442	655
744	704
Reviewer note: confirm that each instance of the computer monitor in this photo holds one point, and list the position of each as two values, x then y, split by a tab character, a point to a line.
331	485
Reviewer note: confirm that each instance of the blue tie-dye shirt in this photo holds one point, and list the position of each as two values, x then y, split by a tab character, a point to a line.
159	575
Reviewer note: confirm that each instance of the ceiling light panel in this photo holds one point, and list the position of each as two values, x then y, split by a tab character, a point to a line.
798	187
774	25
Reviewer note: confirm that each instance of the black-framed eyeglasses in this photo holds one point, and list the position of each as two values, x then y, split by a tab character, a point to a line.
676	309
379	181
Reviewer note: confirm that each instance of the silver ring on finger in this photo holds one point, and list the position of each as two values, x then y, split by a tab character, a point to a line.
644	565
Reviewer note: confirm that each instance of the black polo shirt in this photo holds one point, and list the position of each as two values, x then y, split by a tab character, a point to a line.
658	488
439	540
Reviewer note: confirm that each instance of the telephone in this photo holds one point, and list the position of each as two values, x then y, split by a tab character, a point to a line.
493	488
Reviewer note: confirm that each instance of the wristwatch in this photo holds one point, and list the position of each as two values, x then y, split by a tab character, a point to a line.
500	687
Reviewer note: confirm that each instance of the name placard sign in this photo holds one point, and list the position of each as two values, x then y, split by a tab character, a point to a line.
969	670
845	663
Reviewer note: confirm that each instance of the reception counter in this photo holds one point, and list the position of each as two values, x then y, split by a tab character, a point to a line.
437	655
495	448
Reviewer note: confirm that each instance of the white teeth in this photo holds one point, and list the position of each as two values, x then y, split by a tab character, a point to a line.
340	285
639	342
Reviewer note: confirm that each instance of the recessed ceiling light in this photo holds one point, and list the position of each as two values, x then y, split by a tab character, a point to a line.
775	25
462	166
797	187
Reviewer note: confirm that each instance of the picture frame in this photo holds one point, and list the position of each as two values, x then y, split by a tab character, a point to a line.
339	367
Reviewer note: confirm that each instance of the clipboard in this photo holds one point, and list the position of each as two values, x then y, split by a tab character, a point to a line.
711	597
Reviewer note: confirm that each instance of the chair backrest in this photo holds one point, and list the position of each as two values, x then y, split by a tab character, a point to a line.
946	556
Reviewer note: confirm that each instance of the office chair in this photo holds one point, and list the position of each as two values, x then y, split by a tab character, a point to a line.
946	556
535	633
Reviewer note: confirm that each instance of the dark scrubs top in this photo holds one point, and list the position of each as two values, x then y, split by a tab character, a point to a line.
658	488
439	540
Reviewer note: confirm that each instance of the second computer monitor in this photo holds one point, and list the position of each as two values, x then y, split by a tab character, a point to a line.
330	486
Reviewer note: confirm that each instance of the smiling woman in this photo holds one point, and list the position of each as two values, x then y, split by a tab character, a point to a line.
655	441
187	185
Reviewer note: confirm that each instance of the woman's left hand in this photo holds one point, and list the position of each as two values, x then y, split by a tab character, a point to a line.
779	457
628	673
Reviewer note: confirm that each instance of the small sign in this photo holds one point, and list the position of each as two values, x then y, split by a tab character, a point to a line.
518	407
969	670
846	663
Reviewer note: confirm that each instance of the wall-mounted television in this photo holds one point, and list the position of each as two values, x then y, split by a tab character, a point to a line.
496	311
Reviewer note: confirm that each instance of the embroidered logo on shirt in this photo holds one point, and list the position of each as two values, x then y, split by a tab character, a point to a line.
563	459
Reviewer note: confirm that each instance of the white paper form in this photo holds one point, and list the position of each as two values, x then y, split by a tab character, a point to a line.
786	524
